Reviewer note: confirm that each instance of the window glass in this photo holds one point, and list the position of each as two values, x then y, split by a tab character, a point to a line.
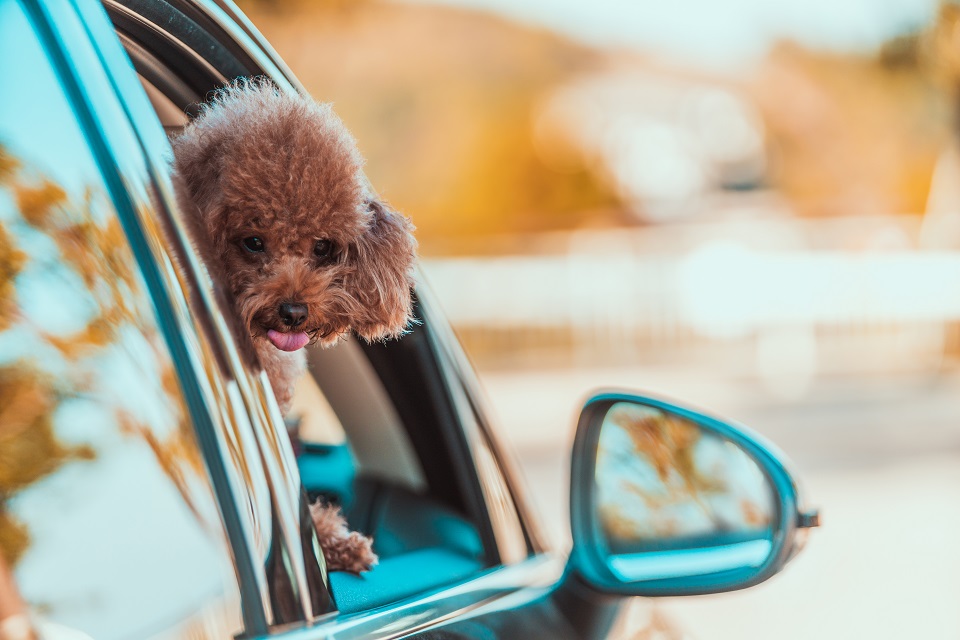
108	521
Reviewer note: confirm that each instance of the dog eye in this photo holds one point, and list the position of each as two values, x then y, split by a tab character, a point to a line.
323	249
253	244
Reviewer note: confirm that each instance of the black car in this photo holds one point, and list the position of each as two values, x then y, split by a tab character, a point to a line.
148	486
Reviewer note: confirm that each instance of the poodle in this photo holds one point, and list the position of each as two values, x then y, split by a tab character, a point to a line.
291	230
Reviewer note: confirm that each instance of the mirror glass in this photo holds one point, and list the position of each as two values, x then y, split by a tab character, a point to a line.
672	498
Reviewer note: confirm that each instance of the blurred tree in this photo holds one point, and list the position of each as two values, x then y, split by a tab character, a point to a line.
945	44
442	102
852	134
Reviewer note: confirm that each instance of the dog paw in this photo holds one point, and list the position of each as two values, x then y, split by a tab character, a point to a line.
354	554
343	550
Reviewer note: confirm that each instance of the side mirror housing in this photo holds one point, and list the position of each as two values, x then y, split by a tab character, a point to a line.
668	501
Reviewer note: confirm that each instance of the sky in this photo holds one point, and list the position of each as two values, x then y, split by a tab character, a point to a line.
717	33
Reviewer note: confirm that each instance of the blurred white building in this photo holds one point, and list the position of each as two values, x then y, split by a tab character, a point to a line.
664	142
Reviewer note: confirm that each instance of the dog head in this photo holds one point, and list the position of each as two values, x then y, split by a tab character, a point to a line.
287	222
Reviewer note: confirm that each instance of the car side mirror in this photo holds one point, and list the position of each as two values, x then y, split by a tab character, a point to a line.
668	501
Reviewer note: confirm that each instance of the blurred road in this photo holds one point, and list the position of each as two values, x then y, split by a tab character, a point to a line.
880	457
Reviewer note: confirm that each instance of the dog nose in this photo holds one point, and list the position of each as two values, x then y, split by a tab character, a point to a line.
293	314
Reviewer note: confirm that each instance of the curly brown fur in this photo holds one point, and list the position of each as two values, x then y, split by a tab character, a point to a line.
344	550
260	163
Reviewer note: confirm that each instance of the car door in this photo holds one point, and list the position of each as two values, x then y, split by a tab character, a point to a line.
109	524
146	491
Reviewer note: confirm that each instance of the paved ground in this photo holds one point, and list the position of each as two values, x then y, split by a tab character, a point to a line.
880	457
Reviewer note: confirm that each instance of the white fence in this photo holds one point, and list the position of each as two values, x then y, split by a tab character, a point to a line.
639	289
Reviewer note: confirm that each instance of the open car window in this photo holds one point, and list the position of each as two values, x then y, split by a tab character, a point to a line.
354	451
349	402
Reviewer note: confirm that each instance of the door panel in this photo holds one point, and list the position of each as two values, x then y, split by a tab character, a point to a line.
108	518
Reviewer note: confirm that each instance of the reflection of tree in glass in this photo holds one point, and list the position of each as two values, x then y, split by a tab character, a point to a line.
11	261
65	365
29	449
662	476
666	441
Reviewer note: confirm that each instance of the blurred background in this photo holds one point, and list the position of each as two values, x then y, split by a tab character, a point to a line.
750	206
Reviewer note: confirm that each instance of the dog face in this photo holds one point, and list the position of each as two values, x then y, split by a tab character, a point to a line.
287	223
306	278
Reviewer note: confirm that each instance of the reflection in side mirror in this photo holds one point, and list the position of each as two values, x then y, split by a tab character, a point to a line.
666	501
664	485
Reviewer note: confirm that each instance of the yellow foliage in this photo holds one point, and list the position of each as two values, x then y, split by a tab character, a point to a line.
945	41
11	263
14	538
851	134
96	249
29	449
8	166
667	442
95	335
36	203
443	103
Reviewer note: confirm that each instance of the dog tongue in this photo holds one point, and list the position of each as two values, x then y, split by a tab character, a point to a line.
288	341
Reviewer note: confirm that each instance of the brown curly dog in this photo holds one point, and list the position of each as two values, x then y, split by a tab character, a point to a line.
287	224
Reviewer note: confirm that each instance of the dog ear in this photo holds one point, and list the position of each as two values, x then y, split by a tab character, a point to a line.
381	274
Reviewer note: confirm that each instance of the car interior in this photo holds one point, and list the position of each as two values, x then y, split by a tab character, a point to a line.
356	451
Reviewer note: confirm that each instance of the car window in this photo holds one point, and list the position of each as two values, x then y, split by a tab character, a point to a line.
108	522
356	452
342	401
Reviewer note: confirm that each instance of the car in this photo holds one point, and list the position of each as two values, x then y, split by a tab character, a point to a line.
150	486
